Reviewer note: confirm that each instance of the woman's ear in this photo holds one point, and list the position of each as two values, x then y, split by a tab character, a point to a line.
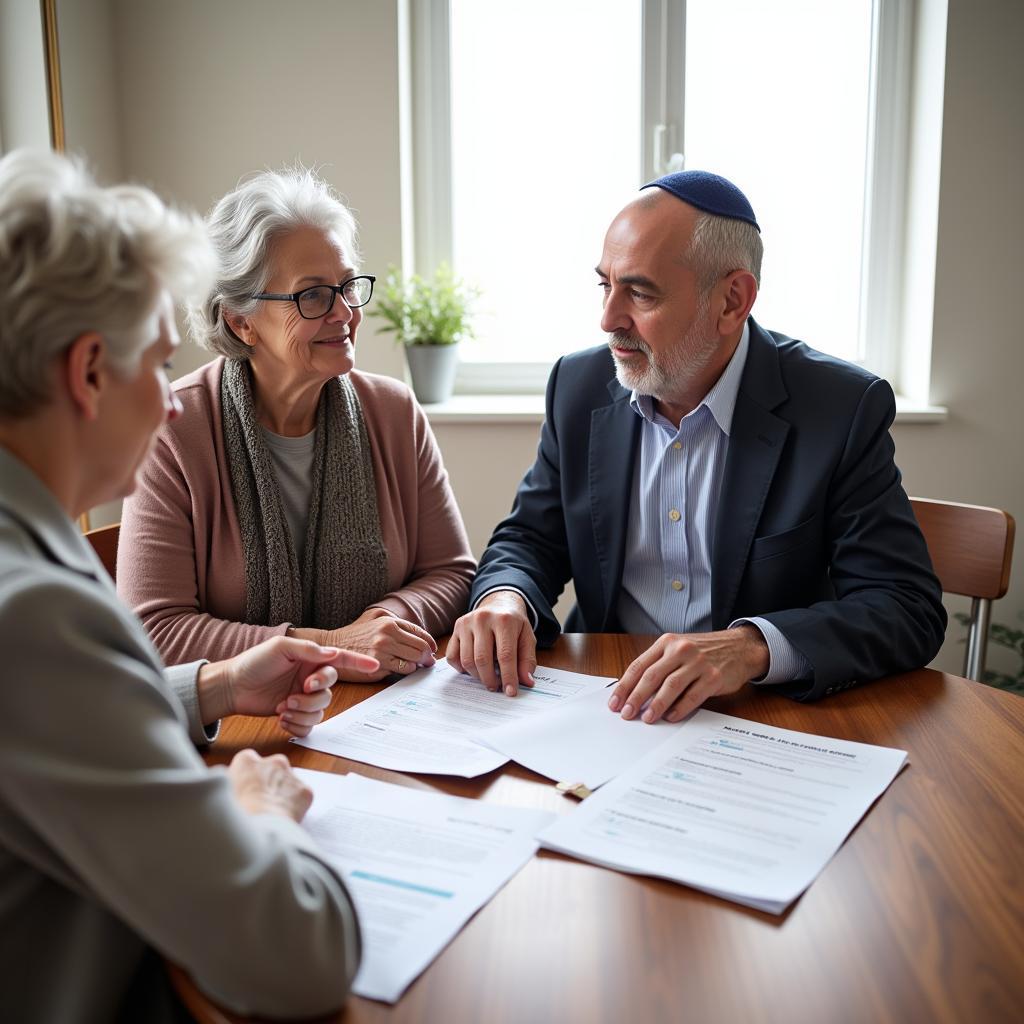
241	327
87	372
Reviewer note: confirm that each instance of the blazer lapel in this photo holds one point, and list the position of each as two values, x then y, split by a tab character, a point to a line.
756	440
614	433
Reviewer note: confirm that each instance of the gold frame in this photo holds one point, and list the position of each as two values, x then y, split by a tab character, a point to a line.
55	98
53	86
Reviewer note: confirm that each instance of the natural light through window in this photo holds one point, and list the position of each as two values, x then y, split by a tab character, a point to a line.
548	142
786	120
546	145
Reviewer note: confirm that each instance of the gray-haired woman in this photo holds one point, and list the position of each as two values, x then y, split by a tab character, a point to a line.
115	839
297	496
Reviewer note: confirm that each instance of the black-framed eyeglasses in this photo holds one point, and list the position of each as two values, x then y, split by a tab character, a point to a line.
318	300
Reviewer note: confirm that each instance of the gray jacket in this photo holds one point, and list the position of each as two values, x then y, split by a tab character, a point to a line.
115	838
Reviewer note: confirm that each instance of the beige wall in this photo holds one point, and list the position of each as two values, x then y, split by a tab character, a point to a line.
93	111
977	351
24	108
211	89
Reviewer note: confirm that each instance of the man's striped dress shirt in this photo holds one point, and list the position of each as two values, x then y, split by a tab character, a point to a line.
666	578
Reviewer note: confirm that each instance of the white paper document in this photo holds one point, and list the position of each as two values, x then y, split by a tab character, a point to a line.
745	811
429	722
579	741
417	865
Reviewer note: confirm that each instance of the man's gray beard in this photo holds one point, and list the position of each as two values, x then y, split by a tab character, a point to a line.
684	363
645	380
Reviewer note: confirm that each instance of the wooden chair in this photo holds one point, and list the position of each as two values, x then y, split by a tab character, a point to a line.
104	542
971	548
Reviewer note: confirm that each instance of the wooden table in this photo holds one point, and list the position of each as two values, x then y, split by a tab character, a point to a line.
918	917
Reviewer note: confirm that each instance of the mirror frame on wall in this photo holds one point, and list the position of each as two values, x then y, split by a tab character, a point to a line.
53	85
55	102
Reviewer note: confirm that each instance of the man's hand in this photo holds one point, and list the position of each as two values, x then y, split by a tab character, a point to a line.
678	672
398	645
282	676
267	785
499	631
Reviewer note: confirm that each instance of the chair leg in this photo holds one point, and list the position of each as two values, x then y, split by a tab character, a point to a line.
977	639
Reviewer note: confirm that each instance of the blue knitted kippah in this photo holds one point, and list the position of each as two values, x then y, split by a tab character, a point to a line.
709	192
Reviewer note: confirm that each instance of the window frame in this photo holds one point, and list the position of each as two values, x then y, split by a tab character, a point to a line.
663	59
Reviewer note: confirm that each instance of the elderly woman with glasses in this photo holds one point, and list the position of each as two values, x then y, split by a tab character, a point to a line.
298	496
116	841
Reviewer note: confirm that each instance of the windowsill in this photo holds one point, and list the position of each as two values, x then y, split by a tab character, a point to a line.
498	409
910	411
487	409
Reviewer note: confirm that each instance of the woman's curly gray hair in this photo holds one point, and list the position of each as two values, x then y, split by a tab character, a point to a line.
78	257
243	226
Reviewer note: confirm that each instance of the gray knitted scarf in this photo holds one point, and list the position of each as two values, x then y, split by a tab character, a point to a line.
345	565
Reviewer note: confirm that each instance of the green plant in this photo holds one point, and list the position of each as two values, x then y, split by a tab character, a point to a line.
1013	639
423	311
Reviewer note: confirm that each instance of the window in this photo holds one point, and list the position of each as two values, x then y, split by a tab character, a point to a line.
535	123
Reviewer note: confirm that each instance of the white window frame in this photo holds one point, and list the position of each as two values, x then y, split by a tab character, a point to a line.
662	118
886	183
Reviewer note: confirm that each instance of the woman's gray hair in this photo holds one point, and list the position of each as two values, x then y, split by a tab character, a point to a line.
78	257
243	227
721	245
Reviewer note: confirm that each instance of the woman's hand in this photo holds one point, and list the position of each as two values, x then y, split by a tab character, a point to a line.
401	647
287	677
267	785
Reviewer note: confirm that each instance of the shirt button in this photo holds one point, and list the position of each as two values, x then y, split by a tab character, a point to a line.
675	515
677	445
677	584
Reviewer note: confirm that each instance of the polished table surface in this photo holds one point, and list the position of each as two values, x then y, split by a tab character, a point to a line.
918	917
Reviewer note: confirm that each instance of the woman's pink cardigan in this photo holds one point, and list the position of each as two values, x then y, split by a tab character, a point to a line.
180	563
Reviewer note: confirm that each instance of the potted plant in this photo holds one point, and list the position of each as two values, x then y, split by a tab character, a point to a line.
1013	639
429	317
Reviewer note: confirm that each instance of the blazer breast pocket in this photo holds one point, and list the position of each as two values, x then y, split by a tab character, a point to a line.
775	544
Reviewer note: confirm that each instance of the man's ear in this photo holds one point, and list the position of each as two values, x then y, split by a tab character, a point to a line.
739	292
87	373
241	327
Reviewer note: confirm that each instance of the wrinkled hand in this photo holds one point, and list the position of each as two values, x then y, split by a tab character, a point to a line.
678	672
499	631
267	785
282	676
398	645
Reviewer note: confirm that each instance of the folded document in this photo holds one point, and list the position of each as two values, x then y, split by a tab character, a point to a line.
741	810
434	720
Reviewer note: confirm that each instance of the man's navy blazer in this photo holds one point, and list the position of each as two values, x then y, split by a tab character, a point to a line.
814	531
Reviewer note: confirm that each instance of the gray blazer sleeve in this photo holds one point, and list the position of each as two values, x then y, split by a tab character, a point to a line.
97	765
184	683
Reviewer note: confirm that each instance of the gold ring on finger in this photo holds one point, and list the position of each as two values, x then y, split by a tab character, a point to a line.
401	664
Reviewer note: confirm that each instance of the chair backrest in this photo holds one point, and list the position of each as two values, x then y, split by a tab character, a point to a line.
971	548
104	542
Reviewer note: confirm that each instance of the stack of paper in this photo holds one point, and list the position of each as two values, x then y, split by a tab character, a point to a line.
433	721
579	741
741	810
417	865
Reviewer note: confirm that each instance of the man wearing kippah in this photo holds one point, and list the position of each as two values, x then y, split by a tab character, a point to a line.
698	477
